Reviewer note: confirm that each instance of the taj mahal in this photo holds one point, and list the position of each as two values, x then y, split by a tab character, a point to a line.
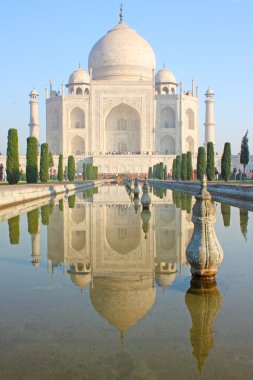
122	115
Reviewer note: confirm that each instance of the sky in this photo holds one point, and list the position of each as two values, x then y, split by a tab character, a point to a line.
208	40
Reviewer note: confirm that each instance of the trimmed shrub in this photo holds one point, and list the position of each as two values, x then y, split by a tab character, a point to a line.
165	173
226	162
210	166
12	161
201	162
150	172
189	166
32	160
71	168
244	154
60	168
184	167
44	163
174	169
14	229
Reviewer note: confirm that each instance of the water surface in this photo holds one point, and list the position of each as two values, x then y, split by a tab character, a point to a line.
93	288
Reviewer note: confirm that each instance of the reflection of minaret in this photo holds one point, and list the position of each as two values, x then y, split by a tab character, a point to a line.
36	248
209	120
34	116
203	305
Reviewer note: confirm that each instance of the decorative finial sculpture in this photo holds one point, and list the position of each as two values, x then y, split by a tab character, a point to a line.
145	198
204	252
121	15
136	189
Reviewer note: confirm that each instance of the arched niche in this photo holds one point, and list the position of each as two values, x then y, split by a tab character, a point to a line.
122	130
77	119
78	240
167	145
165	214
189	119
123	230
77	145
166	239
79	91
78	213
165	90
167	118
86	91
189	144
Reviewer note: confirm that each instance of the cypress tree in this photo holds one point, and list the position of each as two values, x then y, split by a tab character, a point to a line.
178	167
165	173
71	168
201	162
226	162
150	172
60	168
50	162
184	167
32	160
161	175
244	154
44	163
12	161
14	229
174	168
84	172
33	221
210	166
189	166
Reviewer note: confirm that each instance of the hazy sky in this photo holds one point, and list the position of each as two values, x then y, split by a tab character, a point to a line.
208	40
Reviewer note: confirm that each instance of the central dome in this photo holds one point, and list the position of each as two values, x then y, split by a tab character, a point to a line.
122	54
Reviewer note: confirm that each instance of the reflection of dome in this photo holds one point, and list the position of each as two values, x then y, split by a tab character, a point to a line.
165	76
80	279
165	279
79	76
123	302
122	53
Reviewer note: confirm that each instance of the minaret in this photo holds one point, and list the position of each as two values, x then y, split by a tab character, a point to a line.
34	116
209	120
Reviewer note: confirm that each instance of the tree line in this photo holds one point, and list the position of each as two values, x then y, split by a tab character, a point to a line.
40	171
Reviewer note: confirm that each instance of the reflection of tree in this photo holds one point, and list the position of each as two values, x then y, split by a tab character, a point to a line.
33	221
45	214
61	204
14	229
225	210
203	304
244	218
72	201
89	192
182	200
159	192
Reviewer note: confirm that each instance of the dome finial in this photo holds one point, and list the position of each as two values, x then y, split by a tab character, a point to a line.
79	65
121	13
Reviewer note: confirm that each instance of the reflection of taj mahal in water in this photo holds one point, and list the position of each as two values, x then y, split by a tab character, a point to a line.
102	244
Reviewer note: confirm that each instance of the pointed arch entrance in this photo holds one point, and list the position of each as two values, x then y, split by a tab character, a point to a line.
122	130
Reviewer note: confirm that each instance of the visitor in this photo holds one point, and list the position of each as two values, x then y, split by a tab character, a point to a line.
216	174
1	172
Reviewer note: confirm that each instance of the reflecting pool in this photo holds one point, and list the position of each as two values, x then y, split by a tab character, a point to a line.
92	287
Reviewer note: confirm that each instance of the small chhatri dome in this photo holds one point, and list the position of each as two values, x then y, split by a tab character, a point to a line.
122	54
34	92
209	92
79	76
165	76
